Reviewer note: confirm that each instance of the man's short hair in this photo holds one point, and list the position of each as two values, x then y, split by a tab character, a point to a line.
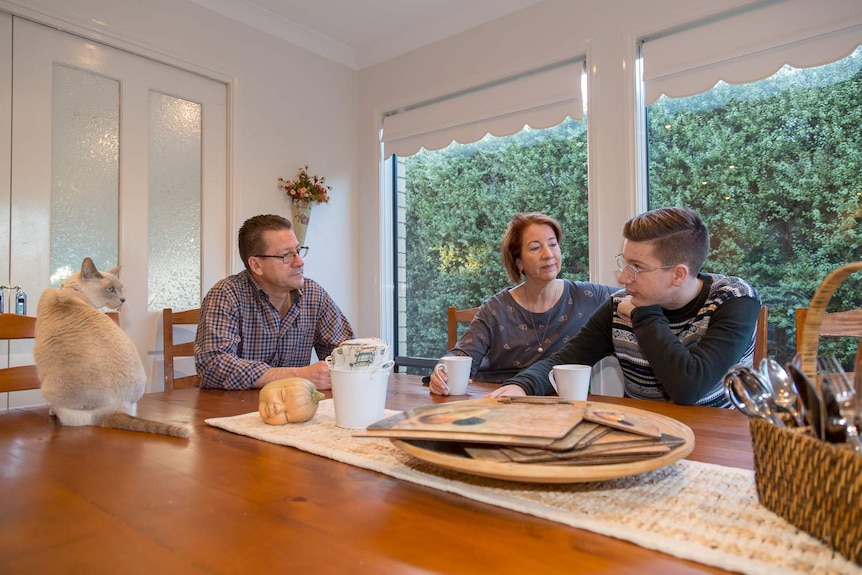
250	237
678	235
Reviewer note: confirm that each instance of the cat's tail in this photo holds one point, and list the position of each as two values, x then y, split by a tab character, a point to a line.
120	420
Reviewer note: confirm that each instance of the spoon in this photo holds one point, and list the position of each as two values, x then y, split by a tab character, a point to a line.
784	393
759	392
749	395
737	396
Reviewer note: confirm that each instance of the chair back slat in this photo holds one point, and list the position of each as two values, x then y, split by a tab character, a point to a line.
173	350
22	377
456	316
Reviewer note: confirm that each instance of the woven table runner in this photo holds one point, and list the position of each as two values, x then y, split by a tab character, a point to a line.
697	511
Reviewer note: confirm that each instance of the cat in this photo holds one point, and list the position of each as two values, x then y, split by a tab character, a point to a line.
89	369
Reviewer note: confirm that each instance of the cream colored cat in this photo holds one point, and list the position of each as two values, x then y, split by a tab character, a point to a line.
89	368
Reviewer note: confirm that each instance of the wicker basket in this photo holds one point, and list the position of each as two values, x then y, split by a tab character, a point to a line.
814	485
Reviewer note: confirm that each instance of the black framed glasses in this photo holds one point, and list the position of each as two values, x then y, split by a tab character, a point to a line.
634	270
288	257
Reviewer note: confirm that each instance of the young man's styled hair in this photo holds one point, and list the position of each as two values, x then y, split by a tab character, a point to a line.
678	235
250	237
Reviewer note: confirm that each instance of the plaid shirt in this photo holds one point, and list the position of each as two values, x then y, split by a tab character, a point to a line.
240	334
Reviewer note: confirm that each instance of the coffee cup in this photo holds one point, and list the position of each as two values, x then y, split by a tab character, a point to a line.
457	370
571	381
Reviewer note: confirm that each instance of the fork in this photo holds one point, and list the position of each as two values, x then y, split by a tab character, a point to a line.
845	395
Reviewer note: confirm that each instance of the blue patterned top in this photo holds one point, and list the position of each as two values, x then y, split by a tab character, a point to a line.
504	338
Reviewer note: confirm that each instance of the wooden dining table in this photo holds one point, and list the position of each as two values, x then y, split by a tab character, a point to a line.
89	500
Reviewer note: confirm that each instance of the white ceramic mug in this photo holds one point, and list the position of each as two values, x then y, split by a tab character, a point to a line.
359	397
457	370
571	381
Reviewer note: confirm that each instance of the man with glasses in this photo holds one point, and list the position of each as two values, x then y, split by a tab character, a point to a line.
261	324
674	329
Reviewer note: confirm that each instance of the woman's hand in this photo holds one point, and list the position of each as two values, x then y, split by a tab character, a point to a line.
437	385
509	390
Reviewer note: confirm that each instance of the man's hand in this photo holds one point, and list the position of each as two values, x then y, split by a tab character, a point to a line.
507	390
316	373
625	308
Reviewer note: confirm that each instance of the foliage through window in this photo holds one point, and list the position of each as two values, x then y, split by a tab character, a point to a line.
454	205
775	169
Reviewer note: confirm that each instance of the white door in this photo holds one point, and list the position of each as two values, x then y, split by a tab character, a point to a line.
95	172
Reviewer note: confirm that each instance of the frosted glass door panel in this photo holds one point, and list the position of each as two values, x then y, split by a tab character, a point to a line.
85	171
175	203
117	226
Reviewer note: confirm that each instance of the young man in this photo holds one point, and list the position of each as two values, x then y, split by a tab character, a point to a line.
261	324
675	330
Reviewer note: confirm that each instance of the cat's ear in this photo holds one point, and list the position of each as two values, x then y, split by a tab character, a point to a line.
88	269
115	271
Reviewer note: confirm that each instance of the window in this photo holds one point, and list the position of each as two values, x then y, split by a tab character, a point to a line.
455	204
453	200
772	162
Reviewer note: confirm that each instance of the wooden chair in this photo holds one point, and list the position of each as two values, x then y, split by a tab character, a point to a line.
836	324
16	327
761	336
457	316
170	319
19	378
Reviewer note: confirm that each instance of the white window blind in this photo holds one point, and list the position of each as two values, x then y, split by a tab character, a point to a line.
539	99
750	45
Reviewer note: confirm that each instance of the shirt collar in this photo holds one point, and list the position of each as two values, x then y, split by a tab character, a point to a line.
295	295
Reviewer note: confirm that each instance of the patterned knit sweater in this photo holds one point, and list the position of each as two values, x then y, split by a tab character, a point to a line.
668	355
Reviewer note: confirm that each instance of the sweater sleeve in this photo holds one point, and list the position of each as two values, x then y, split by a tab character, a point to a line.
588	347
688	374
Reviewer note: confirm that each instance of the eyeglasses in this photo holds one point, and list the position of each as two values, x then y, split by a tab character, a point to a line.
288	257
622	264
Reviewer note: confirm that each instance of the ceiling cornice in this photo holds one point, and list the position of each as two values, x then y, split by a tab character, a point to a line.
267	21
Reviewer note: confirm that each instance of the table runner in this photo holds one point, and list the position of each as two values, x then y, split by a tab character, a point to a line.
697	511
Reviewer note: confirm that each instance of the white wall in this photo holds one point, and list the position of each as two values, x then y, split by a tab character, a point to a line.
554	30
288	107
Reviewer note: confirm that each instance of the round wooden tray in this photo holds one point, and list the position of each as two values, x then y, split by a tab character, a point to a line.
450	455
